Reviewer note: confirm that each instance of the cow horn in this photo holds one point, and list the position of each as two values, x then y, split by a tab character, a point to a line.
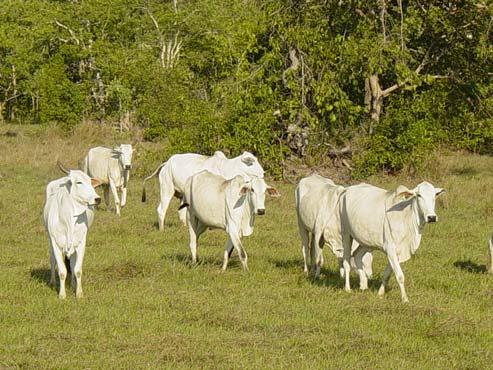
62	167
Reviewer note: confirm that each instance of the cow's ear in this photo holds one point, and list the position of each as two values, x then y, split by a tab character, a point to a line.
273	192
248	159
95	183
404	192
244	190
68	184
439	191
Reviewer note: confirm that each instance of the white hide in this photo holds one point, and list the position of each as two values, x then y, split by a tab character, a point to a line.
111	167
67	216
174	173
391	221
230	205
317	208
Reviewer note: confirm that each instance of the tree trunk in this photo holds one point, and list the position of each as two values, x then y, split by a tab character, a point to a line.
373	99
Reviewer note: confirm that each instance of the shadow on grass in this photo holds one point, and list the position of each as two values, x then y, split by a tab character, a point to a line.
42	275
209	261
470	266
464	171
327	277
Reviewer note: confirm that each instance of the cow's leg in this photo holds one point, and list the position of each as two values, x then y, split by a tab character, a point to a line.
228	250
52	263
385	279
316	253
305	251
195	229
347	242
182	214
124	196
114	191
235	239
167	190
396	267
78	258
490	249
62	270
358	262
106	195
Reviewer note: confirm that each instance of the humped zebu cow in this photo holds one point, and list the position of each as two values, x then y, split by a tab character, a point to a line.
111	167
391	221
231	205
174	173
68	214
317	208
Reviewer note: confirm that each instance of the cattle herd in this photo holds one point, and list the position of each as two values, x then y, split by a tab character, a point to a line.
217	192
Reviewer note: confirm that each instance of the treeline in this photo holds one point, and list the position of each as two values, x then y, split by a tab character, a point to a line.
390	79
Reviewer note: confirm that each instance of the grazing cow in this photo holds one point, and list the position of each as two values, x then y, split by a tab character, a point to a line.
111	167
230	205
174	173
391	221
490	250
317	208
67	216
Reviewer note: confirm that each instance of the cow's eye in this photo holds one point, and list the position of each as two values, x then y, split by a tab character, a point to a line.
79	182
253	191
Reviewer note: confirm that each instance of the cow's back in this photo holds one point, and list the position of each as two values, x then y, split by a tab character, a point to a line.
363	214
183	166
311	197
97	163
207	195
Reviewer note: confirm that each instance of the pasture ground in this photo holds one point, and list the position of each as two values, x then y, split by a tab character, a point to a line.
146	306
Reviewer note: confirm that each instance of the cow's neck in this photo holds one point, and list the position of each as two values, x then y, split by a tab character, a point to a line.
415	227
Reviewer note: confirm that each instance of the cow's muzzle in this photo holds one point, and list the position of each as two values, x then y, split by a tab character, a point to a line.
432	218
261	212
97	200
128	166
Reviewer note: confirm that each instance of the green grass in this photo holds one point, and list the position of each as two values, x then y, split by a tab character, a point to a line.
146	306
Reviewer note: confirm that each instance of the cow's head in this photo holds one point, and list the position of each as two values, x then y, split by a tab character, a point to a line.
424	194
81	188
251	167
257	189
124	152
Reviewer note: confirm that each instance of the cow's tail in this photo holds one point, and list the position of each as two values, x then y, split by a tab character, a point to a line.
155	173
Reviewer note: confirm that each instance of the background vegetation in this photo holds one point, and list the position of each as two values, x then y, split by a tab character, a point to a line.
147	307
391	79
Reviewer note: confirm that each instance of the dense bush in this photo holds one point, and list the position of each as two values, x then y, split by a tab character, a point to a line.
277	78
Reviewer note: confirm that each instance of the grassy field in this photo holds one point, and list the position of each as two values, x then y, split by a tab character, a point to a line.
146	306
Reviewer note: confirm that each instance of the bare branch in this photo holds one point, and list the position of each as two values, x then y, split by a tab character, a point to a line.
383	10
72	33
402	22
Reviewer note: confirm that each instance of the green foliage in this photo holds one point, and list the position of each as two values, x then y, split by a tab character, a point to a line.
405	136
245	71
61	100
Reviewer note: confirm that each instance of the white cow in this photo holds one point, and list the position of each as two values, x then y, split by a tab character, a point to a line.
391	221
490	250
230	205
174	173
111	167
67	216
317	208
